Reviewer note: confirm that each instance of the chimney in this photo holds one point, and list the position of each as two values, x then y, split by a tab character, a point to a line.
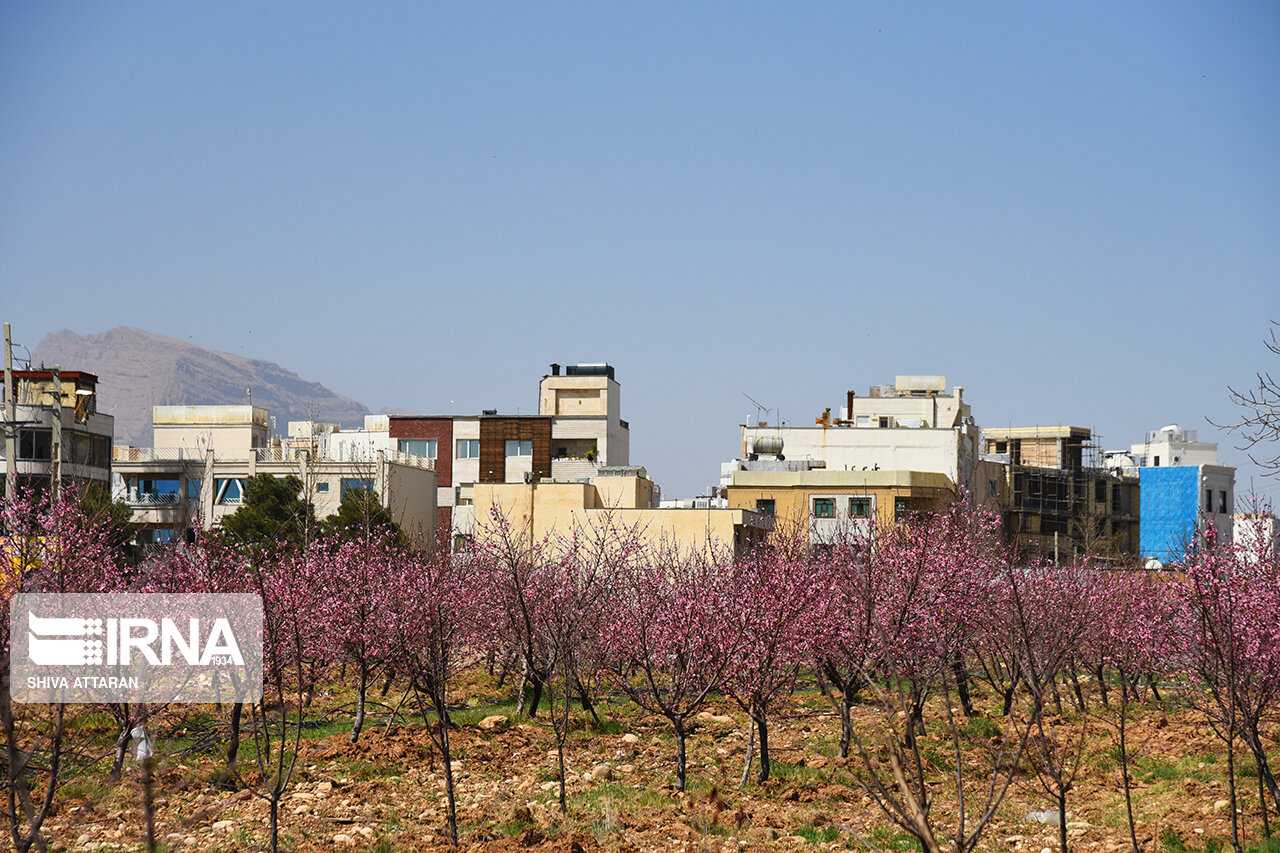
555	369
848	412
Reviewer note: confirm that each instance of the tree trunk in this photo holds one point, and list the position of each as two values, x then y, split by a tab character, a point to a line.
535	693
1075	688
962	684
274	845
681	758
846	726
122	748
442	722
233	742
1124	775
1101	675
362	687
1062	820
762	727
746	765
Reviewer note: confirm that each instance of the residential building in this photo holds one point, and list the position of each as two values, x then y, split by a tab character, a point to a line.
195	474
912	425
1181	501
1257	535
1183	490
621	497
58	434
1058	501
578	430
825	505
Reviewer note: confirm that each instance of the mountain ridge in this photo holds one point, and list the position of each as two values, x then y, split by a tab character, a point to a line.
138	369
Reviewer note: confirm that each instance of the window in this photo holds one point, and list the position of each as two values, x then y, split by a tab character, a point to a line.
349	483
1208	500
1002	447
901	508
884	423
1222	501
519	447
765	506
35	444
824	507
1100	491
1155	462
860	507
467	448
193	488
228	491
418	447
322	487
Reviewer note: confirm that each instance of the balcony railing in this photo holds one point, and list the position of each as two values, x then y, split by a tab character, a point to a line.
148	499
401	458
152	454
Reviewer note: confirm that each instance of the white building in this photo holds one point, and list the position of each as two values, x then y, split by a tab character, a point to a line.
195	474
912	425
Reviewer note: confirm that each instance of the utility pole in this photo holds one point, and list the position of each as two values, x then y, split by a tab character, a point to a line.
10	420
55	470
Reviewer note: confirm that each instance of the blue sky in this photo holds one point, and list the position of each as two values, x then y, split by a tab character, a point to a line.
1072	210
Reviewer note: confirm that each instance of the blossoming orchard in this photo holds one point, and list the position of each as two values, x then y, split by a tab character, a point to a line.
917	687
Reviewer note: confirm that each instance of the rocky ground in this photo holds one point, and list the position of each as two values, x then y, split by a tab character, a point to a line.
386	792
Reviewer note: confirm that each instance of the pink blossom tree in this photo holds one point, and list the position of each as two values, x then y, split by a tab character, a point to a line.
1230	600
47	546
356	597
434	611
666	644
940	576
292	639
772	597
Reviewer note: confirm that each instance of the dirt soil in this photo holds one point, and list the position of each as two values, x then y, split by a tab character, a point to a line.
386	792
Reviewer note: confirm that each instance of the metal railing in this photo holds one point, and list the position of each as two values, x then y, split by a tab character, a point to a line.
149	499
152	454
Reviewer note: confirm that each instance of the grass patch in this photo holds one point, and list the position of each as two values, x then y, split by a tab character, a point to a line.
981	728
819	834
888	838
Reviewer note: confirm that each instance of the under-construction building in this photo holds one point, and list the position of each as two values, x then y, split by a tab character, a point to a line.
1059	500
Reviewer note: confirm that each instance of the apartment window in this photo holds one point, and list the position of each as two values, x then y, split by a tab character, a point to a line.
467	448
1100	491
884	423
1222	501
824	507
193	488
860	507
1208	500
1155	462
1002	447
322	487
765	506
901	508
35	444
519	447
228	491
349	483
425	447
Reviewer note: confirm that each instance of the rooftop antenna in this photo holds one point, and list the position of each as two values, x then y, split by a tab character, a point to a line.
761	408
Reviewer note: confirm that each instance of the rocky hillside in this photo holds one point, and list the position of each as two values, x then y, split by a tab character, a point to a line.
138	370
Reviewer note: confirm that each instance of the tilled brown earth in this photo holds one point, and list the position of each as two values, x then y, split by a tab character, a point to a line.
387	792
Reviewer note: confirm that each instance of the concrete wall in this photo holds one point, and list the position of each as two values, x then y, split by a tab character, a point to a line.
230	431
951	452
539	510
793	494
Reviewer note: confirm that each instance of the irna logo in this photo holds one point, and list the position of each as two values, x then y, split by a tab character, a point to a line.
71	641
